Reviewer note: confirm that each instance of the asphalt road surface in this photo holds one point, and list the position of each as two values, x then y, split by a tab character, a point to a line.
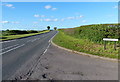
16	53
35	58
59	64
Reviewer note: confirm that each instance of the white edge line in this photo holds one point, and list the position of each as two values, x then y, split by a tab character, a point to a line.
49	44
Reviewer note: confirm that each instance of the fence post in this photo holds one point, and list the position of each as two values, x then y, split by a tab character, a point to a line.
115	45
104	45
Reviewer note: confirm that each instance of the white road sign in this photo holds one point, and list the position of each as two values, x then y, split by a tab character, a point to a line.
109	39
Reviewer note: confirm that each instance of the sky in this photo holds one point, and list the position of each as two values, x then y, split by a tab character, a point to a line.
39	15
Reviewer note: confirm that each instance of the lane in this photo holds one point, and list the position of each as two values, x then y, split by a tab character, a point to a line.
22	40
21	51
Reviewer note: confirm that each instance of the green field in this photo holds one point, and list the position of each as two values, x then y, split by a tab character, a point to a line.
88	39
11	37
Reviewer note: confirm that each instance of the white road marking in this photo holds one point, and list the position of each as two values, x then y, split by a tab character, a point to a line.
53	37
29	40
9	47
33	40
12	49
46	49
49	44
7	41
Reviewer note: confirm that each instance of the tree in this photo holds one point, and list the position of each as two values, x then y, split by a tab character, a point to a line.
48	27
55	28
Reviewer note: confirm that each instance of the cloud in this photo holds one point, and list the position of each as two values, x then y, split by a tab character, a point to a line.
55	19
73	17
4	22
62	19
115	7
42	16
48	7
35	22
70	18
41	20
36	15
47	20
54	9
50	20
15	22
8	5
78	17
84	21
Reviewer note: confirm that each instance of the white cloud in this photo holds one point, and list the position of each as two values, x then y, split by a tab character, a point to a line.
115	7
48	6
4	22
62	19
47	20
42	16
35	22
70	18
41	20
73	17
36	15
55	19
78	17
8	5
84	21
50	20
54	9
15	22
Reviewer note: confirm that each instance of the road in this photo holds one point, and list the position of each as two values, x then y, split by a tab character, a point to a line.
16	53
59	64
35	58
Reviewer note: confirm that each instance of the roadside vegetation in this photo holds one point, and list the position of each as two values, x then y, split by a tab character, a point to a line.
89	39
14	34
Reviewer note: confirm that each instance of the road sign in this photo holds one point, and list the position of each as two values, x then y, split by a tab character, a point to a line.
109	39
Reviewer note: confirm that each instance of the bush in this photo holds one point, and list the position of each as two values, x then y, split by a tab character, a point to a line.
32	31
94	33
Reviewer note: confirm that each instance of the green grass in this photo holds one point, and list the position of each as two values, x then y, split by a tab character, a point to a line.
84	45
11	37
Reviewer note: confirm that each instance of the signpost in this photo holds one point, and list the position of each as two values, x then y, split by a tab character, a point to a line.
109	39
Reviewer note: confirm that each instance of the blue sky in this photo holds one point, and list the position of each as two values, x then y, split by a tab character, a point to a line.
39	15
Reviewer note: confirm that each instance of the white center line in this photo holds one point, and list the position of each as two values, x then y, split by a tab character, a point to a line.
12	49
9	47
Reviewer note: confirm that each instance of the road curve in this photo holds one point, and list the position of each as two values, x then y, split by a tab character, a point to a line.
17	53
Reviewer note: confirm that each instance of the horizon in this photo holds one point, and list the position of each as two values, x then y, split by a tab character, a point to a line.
45	14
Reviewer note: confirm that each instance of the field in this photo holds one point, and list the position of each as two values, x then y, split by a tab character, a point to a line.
14	34
88	39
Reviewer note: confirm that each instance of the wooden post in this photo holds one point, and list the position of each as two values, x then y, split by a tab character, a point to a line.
115	46
105	45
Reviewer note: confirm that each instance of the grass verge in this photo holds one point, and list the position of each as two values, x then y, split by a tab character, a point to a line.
84	45
11	37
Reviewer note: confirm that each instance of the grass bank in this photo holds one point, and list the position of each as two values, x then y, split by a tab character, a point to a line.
11	37
84	45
